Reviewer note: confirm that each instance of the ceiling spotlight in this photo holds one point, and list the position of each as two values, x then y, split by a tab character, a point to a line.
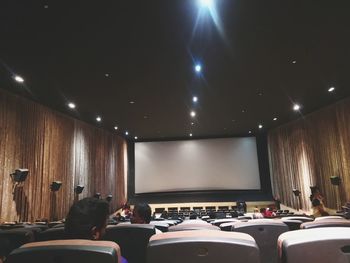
190	134
126	133
206	3
98	118
71	105
192	123
193	114
250	132
194	99
135	137
331	89
132	102
19	79
260	126
116	127
46	6
294	61
275	119
198	68
106	75
296	107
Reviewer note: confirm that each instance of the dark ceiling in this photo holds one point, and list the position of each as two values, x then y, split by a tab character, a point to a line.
148	49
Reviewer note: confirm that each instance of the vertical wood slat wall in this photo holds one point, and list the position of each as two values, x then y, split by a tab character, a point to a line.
54	147
308	152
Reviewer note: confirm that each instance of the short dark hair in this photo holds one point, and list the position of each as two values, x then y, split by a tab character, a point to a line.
144	211
84	215
316	202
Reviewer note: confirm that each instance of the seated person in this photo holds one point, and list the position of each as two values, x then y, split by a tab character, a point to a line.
318	208
87	219
142	214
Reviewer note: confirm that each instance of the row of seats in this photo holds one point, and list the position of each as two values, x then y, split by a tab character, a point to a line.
134	239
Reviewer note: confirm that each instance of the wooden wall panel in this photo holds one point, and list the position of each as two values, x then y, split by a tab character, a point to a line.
54	147
308	152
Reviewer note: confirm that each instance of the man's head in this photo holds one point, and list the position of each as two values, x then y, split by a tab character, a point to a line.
141	214
87	219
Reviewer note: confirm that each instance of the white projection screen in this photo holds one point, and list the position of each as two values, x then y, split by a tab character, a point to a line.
194	165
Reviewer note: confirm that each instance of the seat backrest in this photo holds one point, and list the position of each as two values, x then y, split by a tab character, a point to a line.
328	217
266	234
52	234
299	218
202	246
326	223
14	238
218	222
321	245
195	226
293	224
132	239
164	227
67	251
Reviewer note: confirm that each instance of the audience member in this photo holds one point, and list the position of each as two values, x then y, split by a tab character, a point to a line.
142	214
317	203
87	219
257	214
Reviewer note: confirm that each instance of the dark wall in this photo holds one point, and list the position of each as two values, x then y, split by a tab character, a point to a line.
206	196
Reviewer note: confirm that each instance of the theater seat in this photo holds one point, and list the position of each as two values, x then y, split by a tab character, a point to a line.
265	233
164	227
67	251
321	245
193	226
326	223
14	238
132	239
298	218
202	246
218	222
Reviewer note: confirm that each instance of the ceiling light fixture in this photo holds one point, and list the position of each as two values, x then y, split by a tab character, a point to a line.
132	102
18	79
331	89
135	137
190	134
71	105
296	107
195	99
249	132
116	127
98	118
275	119
294	61
198	68
193	114
260	126
126	133
206	3
106	75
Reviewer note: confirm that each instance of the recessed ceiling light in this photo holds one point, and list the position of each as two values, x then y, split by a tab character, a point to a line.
106	75
46	6
206	3
331	89
198	68
194	99
275	119
192	123
190	134
294	61
296	107
193	114
116	127
19	79
243	111
260	126
126	133
250	132
132	102
71	105
135	137
98	118
145	117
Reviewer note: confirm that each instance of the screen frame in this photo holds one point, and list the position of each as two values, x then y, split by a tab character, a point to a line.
265	192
